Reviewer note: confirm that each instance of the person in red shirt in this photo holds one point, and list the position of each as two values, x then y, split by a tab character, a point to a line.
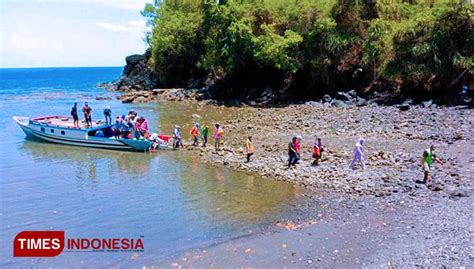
87	110
194	132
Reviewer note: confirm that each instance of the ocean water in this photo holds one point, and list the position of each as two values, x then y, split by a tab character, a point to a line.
169	199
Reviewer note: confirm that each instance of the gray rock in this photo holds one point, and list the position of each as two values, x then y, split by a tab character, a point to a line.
339	103
344	96
408	101
312	103
404	107
327	98
352	93
427	104
361	101
458	192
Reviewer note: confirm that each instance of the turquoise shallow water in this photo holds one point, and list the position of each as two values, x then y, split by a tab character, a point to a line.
169	199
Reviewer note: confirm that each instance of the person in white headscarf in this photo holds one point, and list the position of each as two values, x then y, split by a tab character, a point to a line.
358	154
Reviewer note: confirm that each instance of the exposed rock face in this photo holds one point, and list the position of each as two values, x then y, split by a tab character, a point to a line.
143	96
137	74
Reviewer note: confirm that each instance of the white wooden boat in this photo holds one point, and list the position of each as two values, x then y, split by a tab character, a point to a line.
60	129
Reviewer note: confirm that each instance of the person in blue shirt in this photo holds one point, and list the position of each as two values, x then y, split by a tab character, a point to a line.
118	127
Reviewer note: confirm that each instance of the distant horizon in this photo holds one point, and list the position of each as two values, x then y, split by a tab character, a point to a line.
46	67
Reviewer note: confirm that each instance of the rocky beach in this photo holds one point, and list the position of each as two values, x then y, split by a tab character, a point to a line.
382	215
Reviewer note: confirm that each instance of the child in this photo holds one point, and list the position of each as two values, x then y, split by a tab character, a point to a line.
177	137
316	151
204	134
250	149
321	148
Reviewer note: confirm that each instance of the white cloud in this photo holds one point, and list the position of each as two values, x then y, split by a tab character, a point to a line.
132	27
137	5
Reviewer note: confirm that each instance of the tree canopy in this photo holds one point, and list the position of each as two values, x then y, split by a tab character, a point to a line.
306	48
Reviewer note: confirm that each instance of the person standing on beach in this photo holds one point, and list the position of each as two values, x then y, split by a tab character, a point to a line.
316	151
250	149
204	134
218	132
108	115
426	161
321	148
194	132
74	115
298	148
177	137
358	154
87	110
292	155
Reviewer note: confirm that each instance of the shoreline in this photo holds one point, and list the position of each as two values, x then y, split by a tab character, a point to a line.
395	139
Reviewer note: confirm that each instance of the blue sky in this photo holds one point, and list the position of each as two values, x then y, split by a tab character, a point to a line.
55	33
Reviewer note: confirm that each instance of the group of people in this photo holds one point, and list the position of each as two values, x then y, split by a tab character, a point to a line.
197	133
294	151
87	111
130	126
126	126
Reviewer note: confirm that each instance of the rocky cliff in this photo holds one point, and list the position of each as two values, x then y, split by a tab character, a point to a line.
136	74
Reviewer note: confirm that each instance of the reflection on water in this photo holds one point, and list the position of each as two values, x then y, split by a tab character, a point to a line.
85	160
170	198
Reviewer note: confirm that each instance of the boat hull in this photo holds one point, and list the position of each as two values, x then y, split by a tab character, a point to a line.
77	137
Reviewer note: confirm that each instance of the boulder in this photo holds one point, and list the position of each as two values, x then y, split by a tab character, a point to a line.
344	96
361	101
139	99
404	107
127	99
458	192
339	103
427	104
327	98
352	93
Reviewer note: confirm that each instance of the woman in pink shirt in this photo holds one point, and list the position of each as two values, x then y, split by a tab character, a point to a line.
142	126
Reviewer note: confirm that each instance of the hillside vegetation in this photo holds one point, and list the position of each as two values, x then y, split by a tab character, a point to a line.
302	49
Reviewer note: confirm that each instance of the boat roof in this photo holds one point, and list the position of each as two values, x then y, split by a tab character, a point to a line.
67	122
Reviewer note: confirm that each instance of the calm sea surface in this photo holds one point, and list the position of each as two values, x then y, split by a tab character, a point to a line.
169	199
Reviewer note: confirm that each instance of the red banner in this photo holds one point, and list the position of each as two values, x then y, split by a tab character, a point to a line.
38	244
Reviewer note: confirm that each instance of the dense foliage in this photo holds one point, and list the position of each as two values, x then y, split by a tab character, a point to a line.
305	48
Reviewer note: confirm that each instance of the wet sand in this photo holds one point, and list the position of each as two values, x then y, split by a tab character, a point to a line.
355	233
